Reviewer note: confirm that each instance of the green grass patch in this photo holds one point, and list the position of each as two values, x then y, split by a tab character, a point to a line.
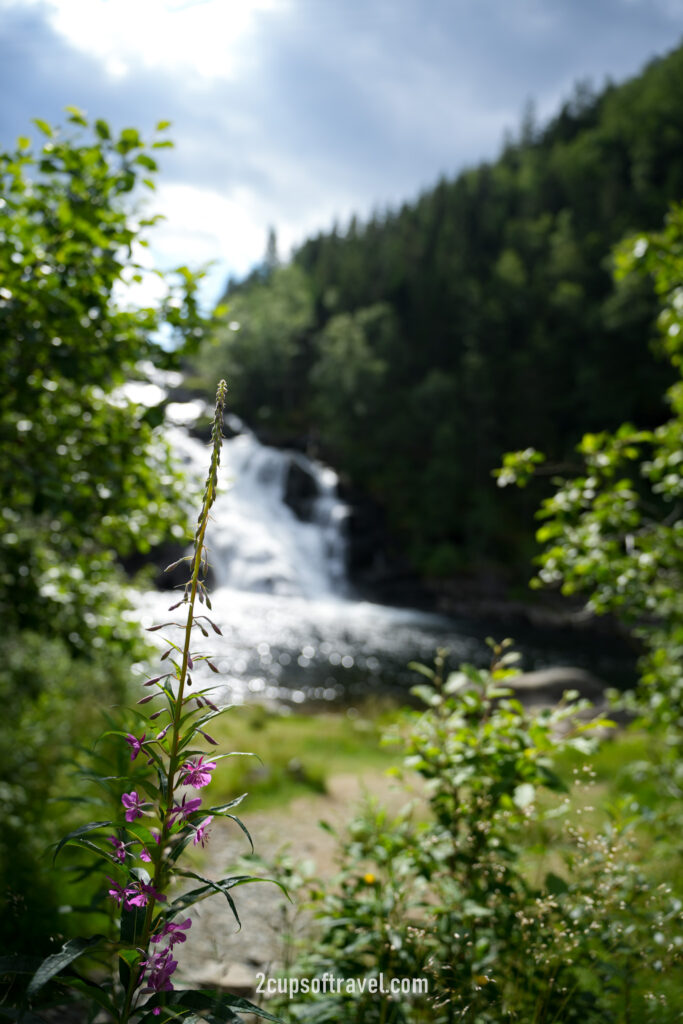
296	753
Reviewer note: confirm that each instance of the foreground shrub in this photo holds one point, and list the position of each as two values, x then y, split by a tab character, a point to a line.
445	893
55	700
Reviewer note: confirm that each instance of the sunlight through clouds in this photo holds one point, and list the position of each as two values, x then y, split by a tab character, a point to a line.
299	113
206	38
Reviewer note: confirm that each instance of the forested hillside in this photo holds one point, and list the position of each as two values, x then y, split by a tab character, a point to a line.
417	347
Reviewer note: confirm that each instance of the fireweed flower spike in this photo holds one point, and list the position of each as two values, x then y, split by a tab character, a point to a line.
143	951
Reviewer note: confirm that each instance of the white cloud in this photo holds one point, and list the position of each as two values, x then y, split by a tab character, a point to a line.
205	38
201	223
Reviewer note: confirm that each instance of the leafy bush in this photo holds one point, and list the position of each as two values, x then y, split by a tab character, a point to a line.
614	531
55	700
84	472
444	892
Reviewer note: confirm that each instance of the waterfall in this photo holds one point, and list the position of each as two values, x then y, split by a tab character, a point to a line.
292	630
278	526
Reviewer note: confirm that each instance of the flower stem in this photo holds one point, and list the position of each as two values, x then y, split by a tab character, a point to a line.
194	584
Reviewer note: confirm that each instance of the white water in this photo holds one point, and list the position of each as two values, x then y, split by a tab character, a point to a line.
292	629
257	543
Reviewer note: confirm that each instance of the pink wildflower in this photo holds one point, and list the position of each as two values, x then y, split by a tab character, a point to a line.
184	809
201	834
173	932
119	848
131	801
144	855
116	892
197	773
139	894
161	968
135	744
134	897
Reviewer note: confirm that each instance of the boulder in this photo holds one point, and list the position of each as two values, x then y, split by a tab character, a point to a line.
547	685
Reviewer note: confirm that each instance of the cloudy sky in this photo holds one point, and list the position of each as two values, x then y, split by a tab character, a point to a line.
292	113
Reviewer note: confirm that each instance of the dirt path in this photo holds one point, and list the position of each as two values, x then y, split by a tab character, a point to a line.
216	953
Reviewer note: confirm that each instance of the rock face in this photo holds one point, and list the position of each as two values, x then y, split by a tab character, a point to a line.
301	489
375	568
548	684
160	557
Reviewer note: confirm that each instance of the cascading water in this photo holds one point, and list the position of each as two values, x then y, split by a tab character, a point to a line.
292	629
257	542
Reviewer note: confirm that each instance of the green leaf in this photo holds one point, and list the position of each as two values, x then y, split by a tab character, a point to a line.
77	116
210	887
102	129
52	965
455	682
82	830
132	924
128	139
18	964
244	828
43	126
422	669
88	988
226	807
146	161
426	694
555	884
216	1009
163	125
128	959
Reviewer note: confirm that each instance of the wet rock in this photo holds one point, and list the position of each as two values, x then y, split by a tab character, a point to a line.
159	558
238	979
301	490
548	684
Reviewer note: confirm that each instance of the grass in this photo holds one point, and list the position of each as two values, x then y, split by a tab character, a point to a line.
296	754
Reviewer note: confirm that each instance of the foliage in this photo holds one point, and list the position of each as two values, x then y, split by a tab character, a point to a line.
154	826
85	475
55	701
500	325
83	472
615	532
446	895
260	343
